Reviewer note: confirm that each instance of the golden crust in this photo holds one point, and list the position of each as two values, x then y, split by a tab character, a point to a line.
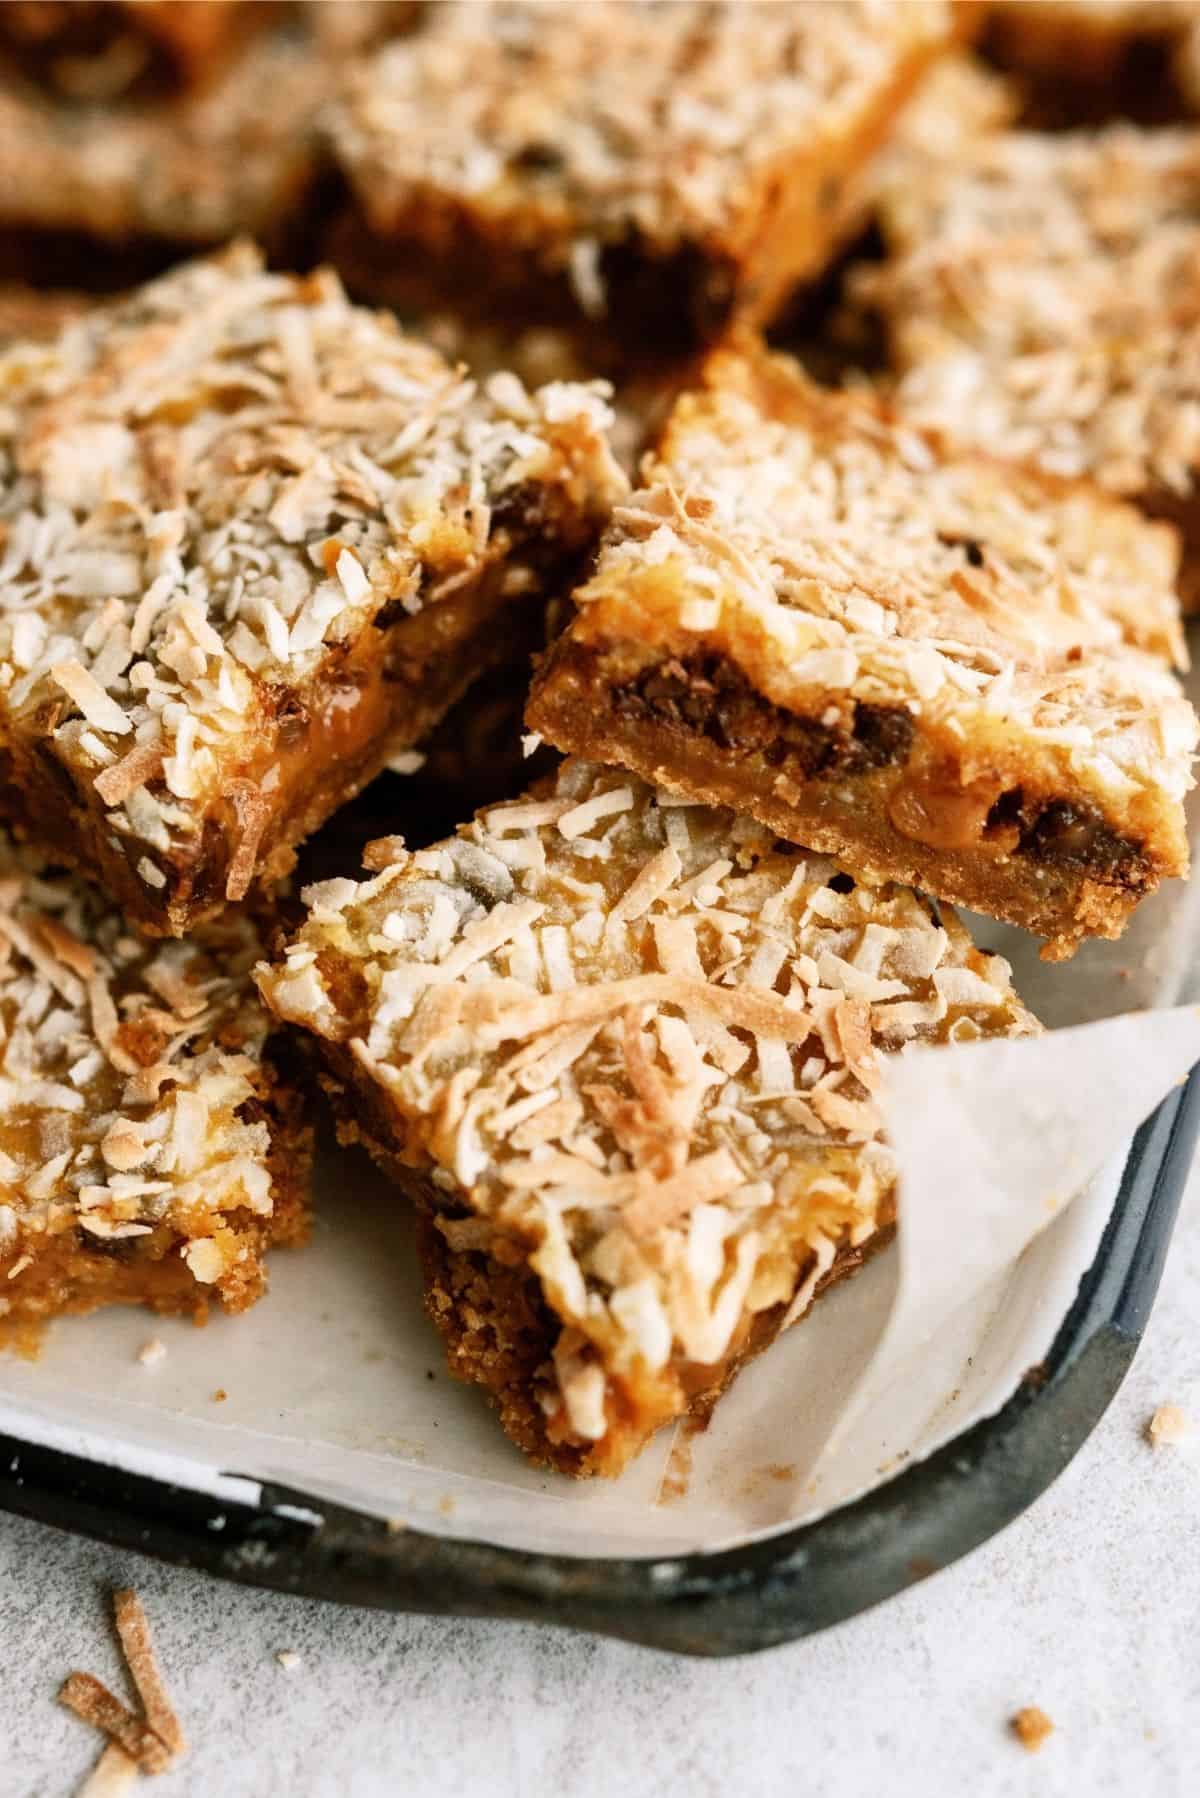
828	558
627	1046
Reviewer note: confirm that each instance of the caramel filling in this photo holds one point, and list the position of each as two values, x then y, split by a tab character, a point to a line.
942	814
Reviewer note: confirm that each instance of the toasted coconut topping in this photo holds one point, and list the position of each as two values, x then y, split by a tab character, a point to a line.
959	100
151	1743
579	126
131	1084
133	1629
210	492
663	1105
113	1775
92	1701
855	559
1041	299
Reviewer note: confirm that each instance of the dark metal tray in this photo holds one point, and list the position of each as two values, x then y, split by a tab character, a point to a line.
793	1584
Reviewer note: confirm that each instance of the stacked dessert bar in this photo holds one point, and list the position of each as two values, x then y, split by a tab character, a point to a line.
256	542
814	663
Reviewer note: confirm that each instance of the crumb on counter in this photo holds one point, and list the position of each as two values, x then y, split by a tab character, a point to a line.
1031	1726
151	1742
152	1352
1168	1426
113	1774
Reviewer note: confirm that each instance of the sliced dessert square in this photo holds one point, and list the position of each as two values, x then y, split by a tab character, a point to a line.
256	541
150	1150
1040	300
908	656
621	1052
662	168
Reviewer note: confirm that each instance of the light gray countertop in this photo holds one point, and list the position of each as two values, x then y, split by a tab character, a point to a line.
1087	1606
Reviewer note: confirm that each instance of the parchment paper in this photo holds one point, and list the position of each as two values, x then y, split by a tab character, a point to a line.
334	1385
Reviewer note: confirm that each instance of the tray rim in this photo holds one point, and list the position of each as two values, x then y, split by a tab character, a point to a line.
711	1603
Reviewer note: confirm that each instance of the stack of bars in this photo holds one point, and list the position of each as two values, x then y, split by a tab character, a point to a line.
486	456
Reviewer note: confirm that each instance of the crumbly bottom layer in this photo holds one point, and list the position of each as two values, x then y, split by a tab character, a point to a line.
72	1272
499	1333
1035	860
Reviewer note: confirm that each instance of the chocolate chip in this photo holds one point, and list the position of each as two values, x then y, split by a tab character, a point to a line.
883	734
1065	833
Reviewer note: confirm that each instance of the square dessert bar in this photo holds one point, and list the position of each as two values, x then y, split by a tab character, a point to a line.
909	657
256	541
621	1051
1040	299
149	1150
663	168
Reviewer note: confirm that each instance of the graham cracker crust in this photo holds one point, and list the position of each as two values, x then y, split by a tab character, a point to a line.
790	772
498	1334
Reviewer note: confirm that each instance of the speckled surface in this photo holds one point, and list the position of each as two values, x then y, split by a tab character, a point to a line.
1087	1606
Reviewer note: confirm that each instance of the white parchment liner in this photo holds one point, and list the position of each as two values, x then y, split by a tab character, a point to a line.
335	1385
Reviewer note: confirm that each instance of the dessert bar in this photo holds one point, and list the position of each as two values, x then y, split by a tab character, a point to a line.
960	99
621	1051
256	542
661	168
1039	299
149	1149
907	656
